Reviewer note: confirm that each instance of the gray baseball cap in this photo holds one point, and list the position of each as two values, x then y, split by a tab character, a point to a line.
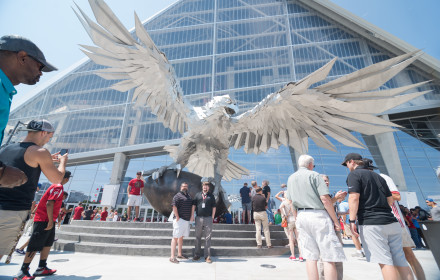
15	43
40	125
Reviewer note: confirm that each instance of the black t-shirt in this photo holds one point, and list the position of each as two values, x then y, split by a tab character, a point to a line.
266	191
373	189
259	203
183	203
88	214
209	201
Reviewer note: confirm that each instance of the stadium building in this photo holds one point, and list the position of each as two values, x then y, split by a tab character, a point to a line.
247	49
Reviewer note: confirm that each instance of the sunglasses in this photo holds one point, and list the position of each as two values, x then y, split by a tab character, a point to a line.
36	60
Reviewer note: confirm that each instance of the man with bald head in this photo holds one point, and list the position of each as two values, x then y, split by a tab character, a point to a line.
21	62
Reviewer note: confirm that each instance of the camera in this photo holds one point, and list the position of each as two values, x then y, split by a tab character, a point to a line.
63	152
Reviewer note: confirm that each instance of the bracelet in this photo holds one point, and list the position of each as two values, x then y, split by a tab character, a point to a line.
352	221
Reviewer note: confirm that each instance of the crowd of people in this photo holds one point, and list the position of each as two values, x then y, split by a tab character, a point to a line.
382	231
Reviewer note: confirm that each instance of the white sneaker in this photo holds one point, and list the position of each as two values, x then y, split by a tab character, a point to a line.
358	255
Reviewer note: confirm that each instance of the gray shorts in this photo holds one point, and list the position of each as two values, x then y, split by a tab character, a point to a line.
246	206
10	225
383	244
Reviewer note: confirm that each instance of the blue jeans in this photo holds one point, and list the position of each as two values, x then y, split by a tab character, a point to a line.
415	237
269	212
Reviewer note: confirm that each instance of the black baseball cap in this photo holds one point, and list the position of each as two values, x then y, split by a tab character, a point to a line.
368	163
139	173
15	43
351	156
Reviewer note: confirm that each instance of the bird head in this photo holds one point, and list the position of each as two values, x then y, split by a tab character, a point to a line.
225	102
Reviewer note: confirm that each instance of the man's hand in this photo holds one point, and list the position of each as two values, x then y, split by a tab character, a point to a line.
12	177
337	226
63	158
49	225
191	219
340	195
178	218
354	229
56	157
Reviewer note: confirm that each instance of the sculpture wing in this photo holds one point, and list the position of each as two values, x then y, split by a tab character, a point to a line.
138	63
296	112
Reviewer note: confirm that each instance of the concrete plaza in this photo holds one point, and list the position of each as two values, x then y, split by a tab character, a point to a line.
82	266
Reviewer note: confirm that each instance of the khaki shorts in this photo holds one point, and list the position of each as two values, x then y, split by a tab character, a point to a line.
10	225
406	238
134	200
180	228
317	238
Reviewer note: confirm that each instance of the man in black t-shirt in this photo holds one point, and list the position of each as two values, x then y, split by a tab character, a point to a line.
87	215
369	201
203	205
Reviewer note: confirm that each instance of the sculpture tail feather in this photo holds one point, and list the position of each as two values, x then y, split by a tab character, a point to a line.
234	171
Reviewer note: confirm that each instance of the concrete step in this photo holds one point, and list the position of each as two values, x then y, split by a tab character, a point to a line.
153	239
276	234
162	251
159	240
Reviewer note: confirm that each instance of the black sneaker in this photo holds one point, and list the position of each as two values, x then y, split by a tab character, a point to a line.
44	271
23	275
21	252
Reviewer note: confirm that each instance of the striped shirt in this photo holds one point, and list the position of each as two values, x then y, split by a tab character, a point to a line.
183	203
395	206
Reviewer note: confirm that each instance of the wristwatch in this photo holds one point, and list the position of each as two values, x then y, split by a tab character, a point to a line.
352	221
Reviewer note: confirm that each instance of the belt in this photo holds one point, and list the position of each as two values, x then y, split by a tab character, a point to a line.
301	209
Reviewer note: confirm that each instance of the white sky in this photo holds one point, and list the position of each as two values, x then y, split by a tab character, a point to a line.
53	26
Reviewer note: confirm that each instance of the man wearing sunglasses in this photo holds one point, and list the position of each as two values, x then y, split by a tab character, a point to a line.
21	62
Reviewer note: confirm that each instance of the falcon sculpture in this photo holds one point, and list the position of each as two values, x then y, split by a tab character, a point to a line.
287	117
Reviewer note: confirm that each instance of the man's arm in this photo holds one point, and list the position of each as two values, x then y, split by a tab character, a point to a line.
193	209
268	196
353	205
328	205
11	177
128	189
213	212
41	157
338	195
396	196
176	213
49	210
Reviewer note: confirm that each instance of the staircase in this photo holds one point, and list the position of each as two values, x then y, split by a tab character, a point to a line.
154	239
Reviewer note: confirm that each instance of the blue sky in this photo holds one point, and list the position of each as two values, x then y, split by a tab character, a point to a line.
53	26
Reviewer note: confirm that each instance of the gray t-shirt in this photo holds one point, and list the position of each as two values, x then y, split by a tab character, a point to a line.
435	213
304	188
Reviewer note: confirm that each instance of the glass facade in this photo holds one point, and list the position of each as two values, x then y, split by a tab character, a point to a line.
246	48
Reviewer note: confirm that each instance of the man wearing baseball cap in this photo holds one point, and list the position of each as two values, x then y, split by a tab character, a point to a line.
435	211
369	201
30	157
21	62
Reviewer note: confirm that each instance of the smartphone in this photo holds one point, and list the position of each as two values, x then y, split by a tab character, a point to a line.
63	152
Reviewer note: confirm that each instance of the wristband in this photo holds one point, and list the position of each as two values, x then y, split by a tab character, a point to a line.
352	221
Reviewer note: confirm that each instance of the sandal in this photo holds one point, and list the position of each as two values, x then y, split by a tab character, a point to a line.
182	257
174	260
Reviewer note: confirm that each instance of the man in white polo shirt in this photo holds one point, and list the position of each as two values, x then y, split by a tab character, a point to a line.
316	221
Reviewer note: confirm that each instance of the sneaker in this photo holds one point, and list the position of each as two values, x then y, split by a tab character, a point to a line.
259	246
136	220
44	271
196	258
269	247
182	257
23	275
174	260
21	252
301	259
293	258
208	260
